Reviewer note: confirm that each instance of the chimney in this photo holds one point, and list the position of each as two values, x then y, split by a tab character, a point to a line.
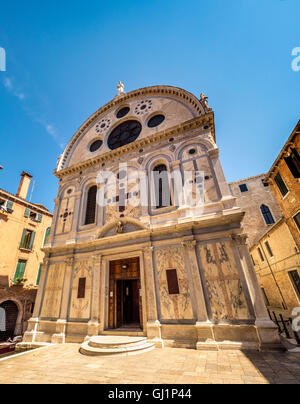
24	185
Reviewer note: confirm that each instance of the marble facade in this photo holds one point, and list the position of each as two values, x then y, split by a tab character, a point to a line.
219	304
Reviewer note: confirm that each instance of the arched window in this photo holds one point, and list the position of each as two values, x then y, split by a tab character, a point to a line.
91	205
161	186
267	214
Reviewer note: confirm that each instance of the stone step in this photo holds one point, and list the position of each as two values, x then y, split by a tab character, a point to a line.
115	346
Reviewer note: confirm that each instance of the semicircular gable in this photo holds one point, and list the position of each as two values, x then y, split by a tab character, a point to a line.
177	106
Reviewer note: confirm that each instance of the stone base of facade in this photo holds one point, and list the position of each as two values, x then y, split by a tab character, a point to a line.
201	336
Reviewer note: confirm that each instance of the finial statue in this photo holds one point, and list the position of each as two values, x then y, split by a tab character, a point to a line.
120	228
203	100
120	88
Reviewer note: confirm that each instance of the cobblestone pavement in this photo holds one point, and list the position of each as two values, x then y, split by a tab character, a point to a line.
64	364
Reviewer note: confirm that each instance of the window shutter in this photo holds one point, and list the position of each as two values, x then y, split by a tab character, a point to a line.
39	275
27	212
31	240
23	238
40	218
47	233
20	270
9	205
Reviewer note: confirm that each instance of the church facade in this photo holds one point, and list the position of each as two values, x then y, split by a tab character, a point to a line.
127	255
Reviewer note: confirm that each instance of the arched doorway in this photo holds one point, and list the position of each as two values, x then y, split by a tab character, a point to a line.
9	314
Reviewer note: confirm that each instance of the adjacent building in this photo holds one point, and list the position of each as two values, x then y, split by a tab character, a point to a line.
255	197
24	227
176	268
276	252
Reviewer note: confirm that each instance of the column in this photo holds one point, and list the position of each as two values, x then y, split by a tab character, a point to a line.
266	329
153	323
219	173
203	324
60	335
94	323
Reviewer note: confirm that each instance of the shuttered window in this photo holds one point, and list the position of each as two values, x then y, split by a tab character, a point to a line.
297	220
39	275
281	184
91	205
260	254
293	163
172	280
267	214
295	278
27	240
81	288
19	274
27	212
47	233
9	206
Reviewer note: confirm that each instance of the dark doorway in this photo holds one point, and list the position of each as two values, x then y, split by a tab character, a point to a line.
128	303
125	306
9	316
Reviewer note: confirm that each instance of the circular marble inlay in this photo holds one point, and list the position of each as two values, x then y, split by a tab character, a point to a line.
143	107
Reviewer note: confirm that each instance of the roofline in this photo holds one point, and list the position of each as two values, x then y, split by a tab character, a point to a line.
119	99
24	202
295	132
247	179
258	239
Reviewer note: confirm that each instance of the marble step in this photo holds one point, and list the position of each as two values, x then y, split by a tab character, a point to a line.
115	346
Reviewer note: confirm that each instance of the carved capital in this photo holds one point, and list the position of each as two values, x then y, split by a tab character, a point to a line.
213	153
239	238
190	244
148	251
69	261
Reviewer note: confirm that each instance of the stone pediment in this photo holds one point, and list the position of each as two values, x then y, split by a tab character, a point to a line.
121	226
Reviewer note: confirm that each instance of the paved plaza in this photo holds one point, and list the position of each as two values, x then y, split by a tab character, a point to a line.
64	364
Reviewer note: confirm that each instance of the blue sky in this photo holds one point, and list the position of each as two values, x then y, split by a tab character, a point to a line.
64	59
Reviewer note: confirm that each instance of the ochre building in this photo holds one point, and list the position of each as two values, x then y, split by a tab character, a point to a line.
24	227
276	253
179	273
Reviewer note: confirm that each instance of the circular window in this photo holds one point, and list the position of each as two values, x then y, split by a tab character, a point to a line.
156	120
192	151
143	107
96	145
102	126
126	132
122	112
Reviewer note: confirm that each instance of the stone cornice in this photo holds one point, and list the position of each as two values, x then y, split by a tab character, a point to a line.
210	223
168	133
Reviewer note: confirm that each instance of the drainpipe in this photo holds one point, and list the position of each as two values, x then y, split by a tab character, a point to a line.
278	287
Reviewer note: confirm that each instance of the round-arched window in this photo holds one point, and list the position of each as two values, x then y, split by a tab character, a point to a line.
96	145
126	132
122	112
156	120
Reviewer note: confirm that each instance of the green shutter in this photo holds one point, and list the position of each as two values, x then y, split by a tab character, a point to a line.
9	205
47	233
27	212
39	275
40	218
20	270
31	240
23	238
